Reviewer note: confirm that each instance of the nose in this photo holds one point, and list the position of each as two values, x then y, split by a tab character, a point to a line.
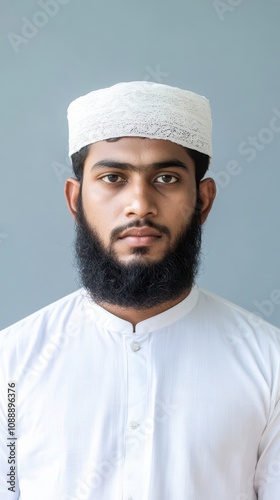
140	200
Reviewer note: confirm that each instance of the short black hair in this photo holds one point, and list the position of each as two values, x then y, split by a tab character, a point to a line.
78	160
201	161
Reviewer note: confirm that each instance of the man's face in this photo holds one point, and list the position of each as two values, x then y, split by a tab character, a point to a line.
138	221
133	181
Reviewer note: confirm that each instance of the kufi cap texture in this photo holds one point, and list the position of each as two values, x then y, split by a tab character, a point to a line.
141	109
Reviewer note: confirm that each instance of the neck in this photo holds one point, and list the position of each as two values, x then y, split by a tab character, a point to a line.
135	316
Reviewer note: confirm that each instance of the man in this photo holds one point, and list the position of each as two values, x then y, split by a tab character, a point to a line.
140	386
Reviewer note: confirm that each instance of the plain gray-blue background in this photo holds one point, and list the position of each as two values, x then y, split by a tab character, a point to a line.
53	51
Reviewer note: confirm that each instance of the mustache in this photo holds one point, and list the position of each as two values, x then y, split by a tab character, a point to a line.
139	223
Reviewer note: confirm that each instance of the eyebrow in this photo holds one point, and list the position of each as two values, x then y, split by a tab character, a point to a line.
174	162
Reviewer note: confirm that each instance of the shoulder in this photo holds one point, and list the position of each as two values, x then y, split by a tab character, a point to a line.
40	335
54	314
236	321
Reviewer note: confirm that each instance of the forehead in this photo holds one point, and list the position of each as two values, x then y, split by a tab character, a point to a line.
138	150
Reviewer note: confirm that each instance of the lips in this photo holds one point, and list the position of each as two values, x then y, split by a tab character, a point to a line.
140	232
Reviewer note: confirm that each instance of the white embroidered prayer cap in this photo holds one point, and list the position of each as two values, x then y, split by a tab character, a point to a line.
141	109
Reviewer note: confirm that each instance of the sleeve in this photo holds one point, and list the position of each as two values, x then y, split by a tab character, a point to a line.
9	489
267	475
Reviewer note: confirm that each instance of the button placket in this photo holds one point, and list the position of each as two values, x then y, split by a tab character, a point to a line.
137	392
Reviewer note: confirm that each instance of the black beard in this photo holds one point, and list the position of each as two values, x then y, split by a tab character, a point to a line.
138	285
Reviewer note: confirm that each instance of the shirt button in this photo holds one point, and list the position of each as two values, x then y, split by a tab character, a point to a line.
133	425
135	346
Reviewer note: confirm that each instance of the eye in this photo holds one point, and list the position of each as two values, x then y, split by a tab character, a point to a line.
112	178
167	179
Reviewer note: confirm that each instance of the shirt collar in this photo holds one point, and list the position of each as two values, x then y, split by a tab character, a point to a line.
113	323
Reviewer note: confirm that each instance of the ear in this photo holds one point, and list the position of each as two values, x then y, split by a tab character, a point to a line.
71	193
207	191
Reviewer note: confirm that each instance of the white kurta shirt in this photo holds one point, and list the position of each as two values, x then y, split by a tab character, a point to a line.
184	408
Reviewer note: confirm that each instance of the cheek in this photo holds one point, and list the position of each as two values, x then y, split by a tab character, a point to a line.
96	197
189	203
191	198
184	207
100	211
183	211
